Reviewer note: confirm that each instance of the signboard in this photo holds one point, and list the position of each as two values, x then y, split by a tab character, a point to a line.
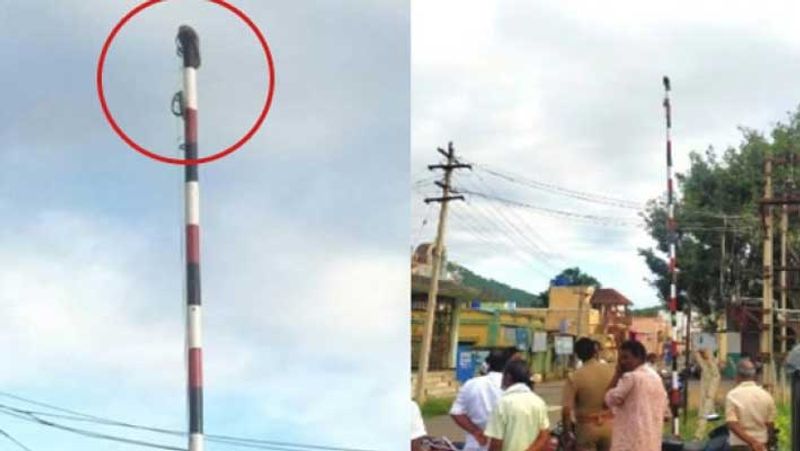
734	340
563	345
510	334
539	341
468	360
465	368
704	341
523	339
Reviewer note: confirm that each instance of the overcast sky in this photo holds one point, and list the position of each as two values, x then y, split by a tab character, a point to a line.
304	230
569	94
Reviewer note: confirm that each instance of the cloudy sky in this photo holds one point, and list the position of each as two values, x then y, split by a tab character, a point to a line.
304	231
568	94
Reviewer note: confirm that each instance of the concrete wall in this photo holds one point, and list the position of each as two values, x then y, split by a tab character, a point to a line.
573	305
438	384
482	328
651	332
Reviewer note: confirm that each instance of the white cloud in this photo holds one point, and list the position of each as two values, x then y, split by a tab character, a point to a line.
311	338
570	94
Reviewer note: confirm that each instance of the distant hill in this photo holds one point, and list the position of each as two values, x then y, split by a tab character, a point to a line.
493	290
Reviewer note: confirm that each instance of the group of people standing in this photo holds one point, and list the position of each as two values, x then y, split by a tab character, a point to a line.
500	411
750	411
617	408
620	407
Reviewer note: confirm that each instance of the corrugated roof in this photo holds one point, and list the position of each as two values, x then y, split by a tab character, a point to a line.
609	296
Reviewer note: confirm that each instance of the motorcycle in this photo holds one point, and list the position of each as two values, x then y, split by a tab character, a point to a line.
561	439
717	440
440	444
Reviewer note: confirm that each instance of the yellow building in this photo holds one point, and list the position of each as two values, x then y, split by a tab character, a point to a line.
456	325
569	312
651	331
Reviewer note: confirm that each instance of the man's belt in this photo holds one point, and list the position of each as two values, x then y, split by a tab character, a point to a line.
597	418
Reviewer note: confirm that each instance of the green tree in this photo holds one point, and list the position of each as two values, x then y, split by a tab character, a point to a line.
720	196
570	277
492	290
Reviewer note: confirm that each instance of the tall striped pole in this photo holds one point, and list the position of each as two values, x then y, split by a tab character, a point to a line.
672	239
189	49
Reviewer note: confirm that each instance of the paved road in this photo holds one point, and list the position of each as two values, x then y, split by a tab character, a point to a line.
551	393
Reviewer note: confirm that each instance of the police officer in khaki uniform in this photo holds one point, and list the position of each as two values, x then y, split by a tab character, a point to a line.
583	397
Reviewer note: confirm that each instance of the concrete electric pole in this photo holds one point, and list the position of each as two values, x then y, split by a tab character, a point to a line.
430	311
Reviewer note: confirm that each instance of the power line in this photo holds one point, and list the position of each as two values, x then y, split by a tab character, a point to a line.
600	220
13	440
227	439
425	219
520	220
516	252
472	226
86	433
514	244
525	243
555	189
423	181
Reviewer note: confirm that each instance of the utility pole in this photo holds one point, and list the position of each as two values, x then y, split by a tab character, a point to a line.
722	339
783	288
722	262
673	270
767	328
430	311
189	50
579	326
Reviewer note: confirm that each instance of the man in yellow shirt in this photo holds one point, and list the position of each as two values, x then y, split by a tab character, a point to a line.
749	411
519	422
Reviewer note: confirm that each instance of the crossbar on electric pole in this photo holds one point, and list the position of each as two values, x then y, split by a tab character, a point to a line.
430	310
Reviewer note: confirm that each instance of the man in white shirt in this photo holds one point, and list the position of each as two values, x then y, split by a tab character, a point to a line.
417	428
476	399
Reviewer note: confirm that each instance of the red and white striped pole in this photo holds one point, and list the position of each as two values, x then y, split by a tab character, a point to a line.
673	270
189	49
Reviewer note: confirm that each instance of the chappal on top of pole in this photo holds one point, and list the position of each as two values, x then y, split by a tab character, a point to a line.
672	240
189	49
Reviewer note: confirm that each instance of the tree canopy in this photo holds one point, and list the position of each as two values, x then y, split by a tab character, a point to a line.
570	277
492	290
719	198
